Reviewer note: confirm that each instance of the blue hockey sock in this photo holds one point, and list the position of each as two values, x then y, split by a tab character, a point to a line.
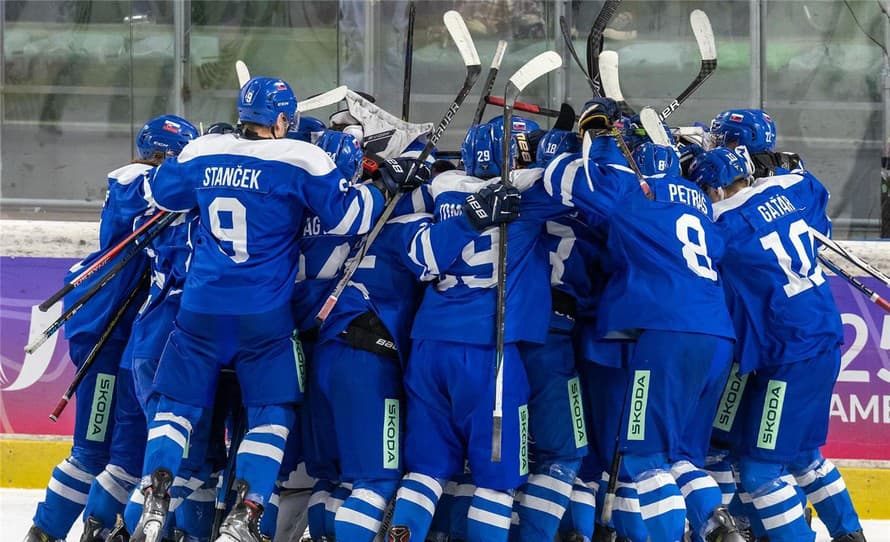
441	525
742	509
661	505
196	504
66	496
700	492
360	517
109	494
626	516
321	491
828	494
463	497
168	435
261	451
776	501
488	519
336	499
544	500
270	513
416	502
581	513
719	467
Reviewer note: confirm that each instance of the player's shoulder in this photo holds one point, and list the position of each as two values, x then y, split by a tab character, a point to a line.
763	189
299	154
456	181
127	174
523	179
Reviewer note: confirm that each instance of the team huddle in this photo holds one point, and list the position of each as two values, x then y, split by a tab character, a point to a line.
669	340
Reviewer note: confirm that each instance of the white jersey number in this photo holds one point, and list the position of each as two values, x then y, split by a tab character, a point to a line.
474	258
808	275
695	249
237	232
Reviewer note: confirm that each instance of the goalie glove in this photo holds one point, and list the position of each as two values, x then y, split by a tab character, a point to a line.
493	205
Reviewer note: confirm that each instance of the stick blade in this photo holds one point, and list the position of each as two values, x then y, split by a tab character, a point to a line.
608	63
541	65
499	55
654	129
242	72
704	34
457	28
324	99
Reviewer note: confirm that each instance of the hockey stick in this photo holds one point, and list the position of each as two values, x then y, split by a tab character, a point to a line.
242	72
489	82
570	45
524	107
137	248
534	69
91	357
409	61
595	43
239	428
704	36
856	283
855	260
608	62
101	262
456	27
324	99
654	128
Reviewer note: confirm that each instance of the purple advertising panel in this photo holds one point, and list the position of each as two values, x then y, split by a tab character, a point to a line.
31	385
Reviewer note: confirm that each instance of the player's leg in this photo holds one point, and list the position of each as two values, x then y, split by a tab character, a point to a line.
368	404
69	486
111	488
578	522
440	526
463	498
292	459
489	516
556	418
433	450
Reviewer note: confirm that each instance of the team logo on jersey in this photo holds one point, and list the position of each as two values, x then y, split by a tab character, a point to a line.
639	397
101	410
735	117
772	415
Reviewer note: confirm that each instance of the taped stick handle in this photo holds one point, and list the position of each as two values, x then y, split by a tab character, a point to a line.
94	353
104	259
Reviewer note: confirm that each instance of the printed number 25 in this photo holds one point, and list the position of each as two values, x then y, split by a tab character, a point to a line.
237	232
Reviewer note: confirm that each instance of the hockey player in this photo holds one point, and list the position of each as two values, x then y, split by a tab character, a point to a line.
790	333
235	305
665	251
106	386
449	380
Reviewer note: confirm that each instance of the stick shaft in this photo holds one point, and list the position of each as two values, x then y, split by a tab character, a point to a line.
409	62
489	82
852	258
524	107
101	262
595	43
856	283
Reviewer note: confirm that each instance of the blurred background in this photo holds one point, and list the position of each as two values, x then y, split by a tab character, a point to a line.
79	78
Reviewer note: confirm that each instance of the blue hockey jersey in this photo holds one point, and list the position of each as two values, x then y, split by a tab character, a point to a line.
123	206
781	303
664	252
460	306
252	195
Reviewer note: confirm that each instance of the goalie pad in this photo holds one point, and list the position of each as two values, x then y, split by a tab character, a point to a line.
385	135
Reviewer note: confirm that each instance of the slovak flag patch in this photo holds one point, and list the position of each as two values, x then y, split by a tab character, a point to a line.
518	125
767	117
735	117
171	126
279	85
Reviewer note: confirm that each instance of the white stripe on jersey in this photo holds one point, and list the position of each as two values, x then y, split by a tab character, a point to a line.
305	156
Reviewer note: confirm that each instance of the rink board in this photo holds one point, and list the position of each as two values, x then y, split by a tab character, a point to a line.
34	257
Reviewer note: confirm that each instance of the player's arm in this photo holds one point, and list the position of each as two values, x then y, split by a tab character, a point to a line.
434	246
171	186
817	206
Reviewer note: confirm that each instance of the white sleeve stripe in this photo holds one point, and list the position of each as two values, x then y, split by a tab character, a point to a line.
619	167
348	219
428	255
367	208
167	431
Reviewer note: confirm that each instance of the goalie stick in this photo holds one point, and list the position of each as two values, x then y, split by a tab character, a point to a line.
855	260
101	262
137	248
456	27
485	96
534	69
324	99
856	283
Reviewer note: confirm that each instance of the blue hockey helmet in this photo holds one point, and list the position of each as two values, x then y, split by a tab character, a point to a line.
168	134
307	129
263	98
635	135
345	151
752	128
718	168
556	142
655	159
481	151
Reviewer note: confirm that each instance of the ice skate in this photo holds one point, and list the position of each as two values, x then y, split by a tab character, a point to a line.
154	512
575	536
92	530
855	536
119	532
36	534
242	523
721	527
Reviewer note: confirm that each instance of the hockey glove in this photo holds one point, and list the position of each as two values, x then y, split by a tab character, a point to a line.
493	205
599	115
395	175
